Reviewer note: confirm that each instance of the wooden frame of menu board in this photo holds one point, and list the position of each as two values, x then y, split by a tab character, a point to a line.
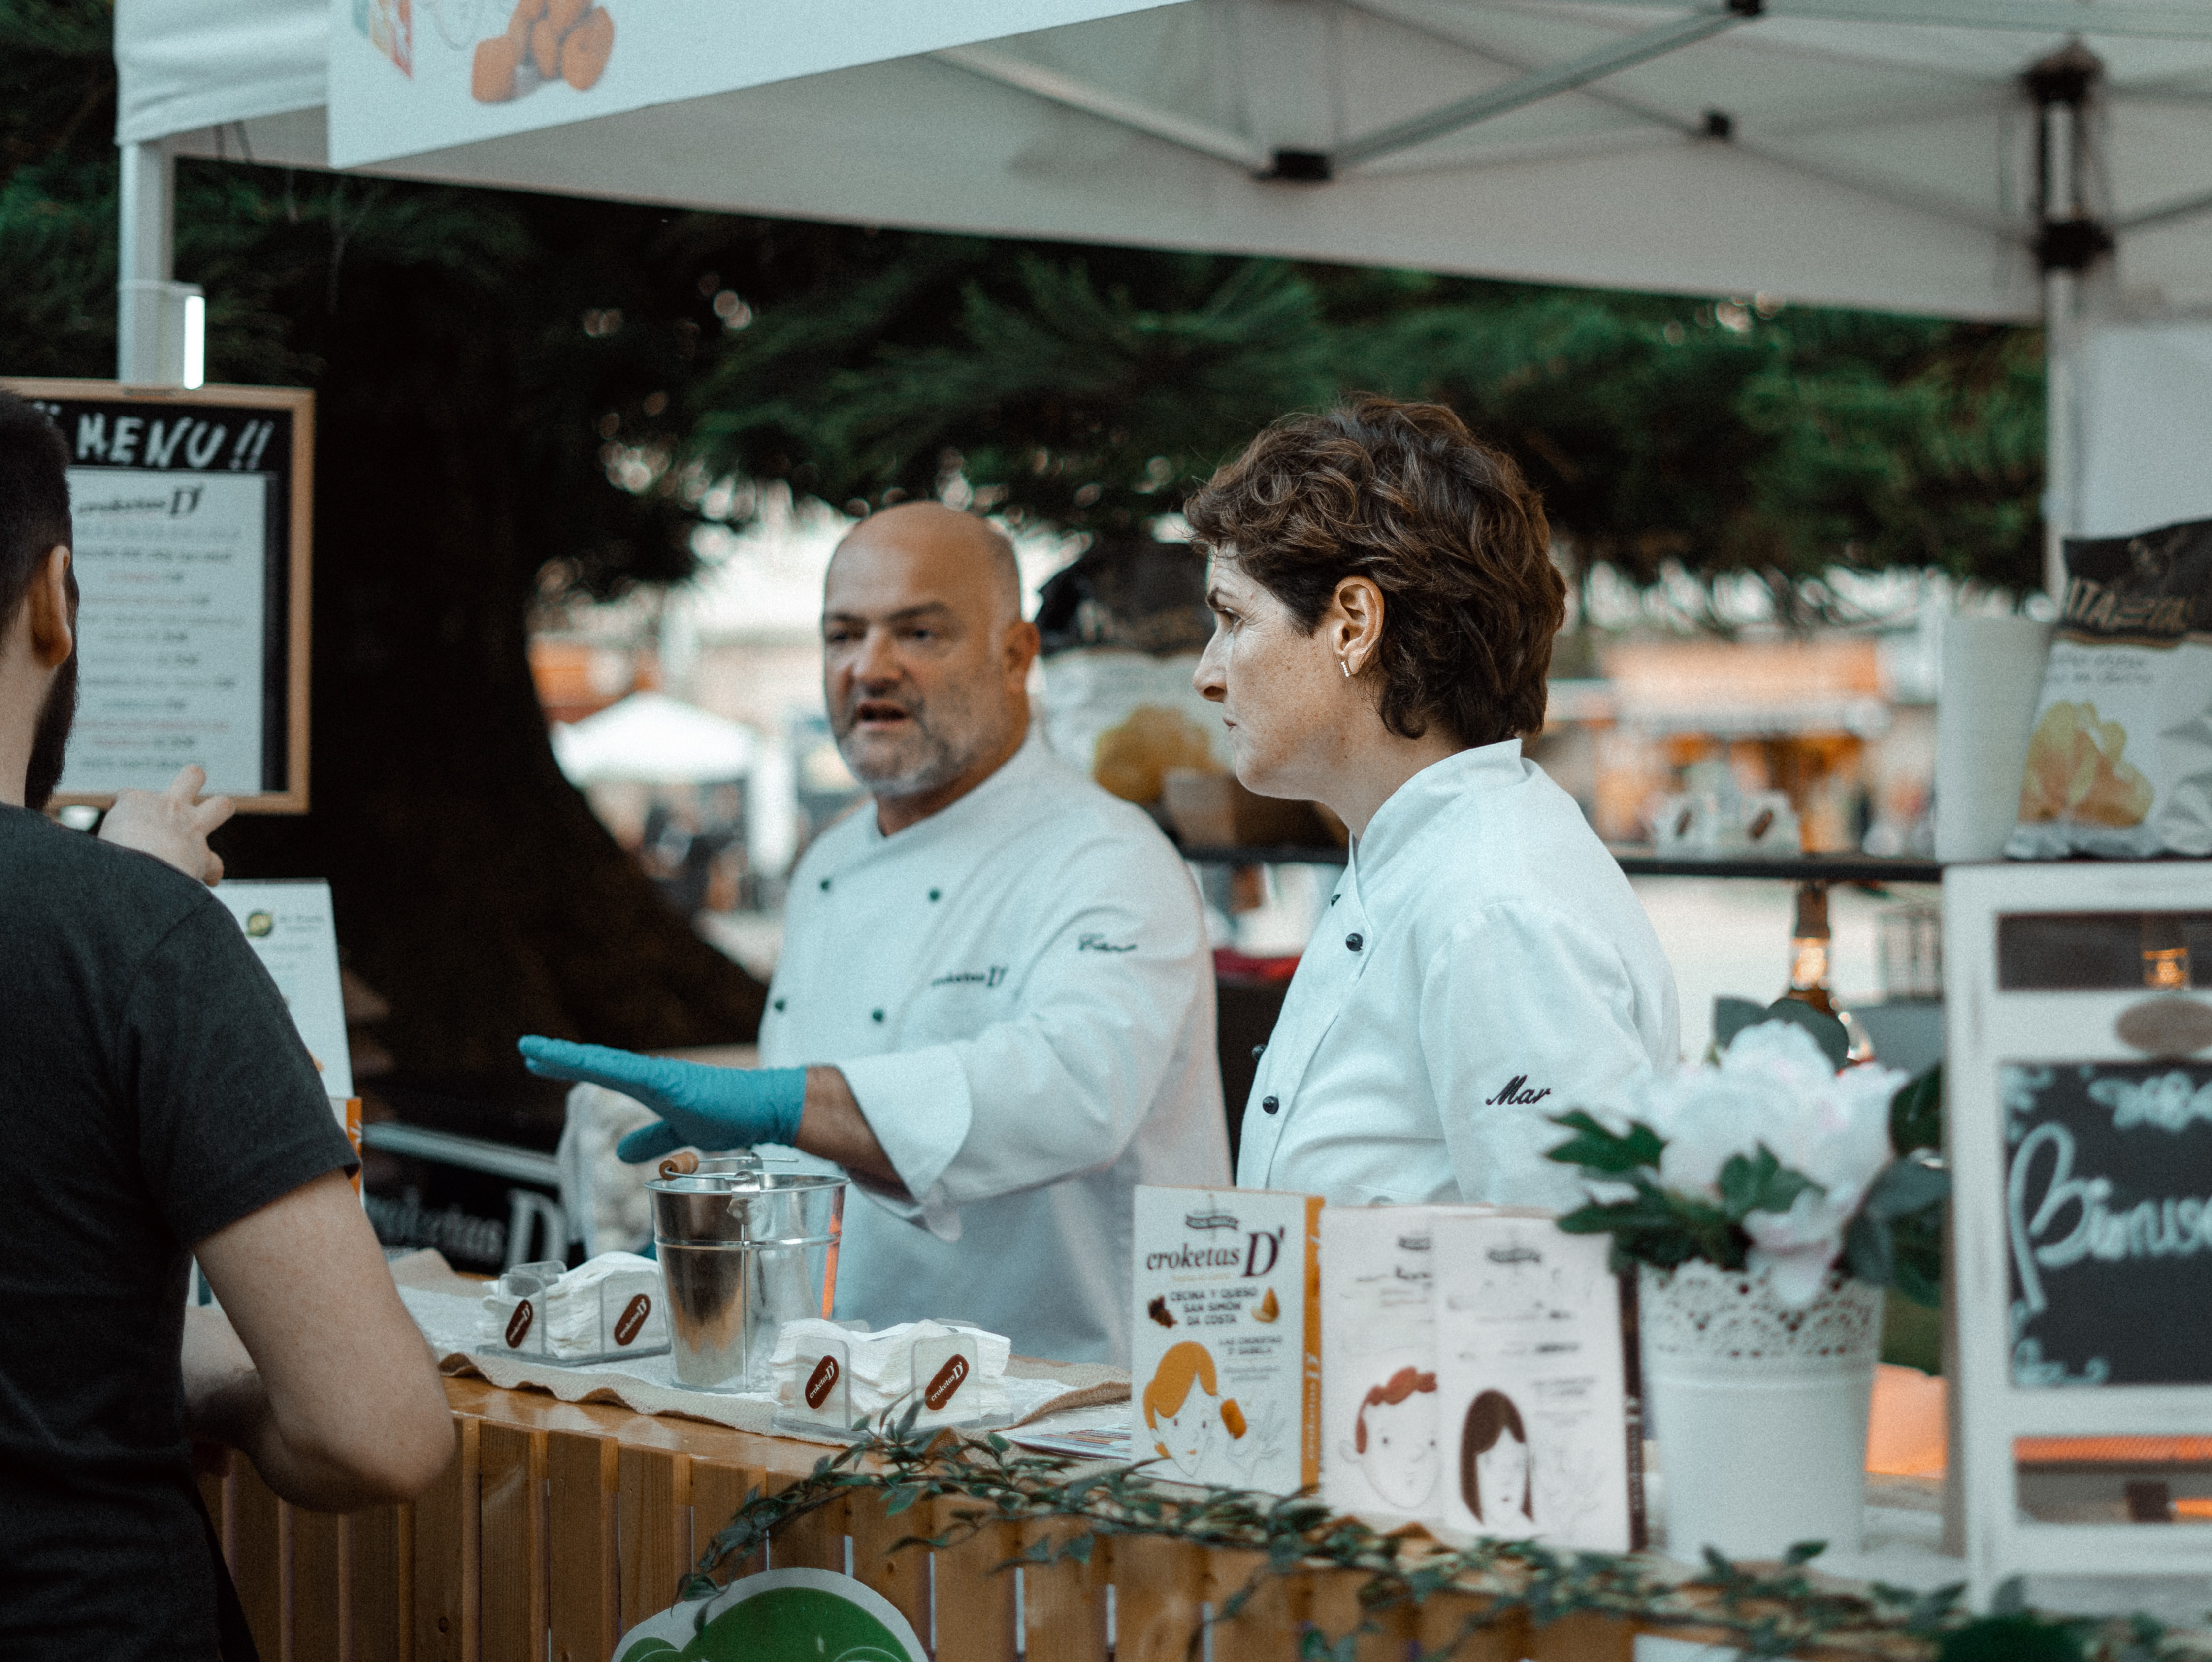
195	513
2078	1103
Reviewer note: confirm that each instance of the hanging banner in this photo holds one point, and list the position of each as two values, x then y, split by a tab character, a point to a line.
407	76
192	515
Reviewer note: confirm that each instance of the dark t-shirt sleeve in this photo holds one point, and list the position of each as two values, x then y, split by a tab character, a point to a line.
232	1114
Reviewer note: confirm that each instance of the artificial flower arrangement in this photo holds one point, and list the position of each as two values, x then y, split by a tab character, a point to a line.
1774	1157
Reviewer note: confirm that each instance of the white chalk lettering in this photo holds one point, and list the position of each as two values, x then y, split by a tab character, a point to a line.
2175	1227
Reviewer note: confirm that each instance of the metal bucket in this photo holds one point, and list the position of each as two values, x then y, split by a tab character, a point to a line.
741	1254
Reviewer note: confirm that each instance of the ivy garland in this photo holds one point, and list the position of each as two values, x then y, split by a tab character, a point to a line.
1767	1616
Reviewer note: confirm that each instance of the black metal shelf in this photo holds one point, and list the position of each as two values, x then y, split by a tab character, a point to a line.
1638	860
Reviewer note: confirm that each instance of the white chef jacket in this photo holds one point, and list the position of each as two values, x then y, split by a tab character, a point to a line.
1482	965
1019	991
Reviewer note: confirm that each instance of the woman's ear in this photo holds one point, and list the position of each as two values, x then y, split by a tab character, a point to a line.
53	619
1359	625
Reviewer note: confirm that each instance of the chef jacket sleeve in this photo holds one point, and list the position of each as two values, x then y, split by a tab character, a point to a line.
1062	1086
1525	1013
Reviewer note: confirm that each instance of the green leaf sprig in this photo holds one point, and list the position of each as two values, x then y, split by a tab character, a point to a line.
1766	1612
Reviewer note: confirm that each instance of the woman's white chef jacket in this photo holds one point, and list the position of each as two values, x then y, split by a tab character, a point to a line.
1483	964
1020	991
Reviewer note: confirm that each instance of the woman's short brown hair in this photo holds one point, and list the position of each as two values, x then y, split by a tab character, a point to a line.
1404	496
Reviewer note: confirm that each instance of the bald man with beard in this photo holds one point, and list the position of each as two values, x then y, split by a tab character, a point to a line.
994	1007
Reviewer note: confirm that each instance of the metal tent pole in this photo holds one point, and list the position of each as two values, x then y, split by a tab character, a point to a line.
159	322
2069	239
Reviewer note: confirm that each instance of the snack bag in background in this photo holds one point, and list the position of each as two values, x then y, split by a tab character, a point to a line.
2120	759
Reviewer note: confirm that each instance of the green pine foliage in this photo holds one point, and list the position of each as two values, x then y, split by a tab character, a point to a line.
1078	388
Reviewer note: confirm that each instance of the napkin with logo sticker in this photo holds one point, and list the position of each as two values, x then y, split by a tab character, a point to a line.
820	1365
610	1306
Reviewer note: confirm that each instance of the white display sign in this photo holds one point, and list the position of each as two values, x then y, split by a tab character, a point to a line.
2077	1103
290	927
170	574
411	75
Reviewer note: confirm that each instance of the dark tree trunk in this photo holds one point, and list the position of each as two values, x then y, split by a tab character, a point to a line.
474	889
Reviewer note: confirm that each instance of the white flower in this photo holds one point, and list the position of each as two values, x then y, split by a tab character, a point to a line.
1774	1087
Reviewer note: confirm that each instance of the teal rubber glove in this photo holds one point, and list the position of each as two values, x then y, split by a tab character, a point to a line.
699	1107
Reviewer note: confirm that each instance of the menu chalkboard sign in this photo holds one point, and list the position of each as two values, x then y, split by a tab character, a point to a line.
2108	1212
192	515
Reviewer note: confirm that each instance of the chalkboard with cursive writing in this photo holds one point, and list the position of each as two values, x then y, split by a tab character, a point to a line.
191	550
2108	1215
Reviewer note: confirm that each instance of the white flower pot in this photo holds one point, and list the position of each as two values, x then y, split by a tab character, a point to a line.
1759	1410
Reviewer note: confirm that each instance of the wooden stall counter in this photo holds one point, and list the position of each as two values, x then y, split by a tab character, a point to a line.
558	1525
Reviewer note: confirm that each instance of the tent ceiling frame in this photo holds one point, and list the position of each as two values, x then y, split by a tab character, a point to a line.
2143	19
1698	128
1009	70
2145	218
1538	84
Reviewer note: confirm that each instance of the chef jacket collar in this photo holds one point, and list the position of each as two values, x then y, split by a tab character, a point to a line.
973	811
1428	793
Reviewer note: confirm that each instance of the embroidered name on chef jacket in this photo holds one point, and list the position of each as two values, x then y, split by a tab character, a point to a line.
1517	1094
1100	944
982	978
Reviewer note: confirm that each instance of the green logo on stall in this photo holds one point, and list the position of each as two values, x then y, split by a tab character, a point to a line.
782	1616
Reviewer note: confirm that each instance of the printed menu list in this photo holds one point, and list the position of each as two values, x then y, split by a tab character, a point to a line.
171	568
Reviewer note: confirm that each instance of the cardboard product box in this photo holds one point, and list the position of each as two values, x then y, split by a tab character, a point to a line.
1378	1362
1541	1431
1225	1352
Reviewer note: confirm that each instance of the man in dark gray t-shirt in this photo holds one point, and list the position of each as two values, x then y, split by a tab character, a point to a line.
155	1102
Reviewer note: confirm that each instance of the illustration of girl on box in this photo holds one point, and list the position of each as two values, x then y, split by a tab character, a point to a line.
1494	1476
1193	1426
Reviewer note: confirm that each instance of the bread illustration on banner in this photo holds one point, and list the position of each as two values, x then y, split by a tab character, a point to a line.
1158	1310
2076	770
545	40
1270	1308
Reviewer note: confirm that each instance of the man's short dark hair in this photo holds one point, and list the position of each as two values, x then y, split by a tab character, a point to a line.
1404	496
34	504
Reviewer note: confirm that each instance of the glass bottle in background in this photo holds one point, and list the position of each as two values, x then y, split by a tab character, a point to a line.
1810	940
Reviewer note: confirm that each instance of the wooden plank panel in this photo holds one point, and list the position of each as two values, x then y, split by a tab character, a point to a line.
1266	1626
583	1483
1584	1638
1063	1603
258	1567
814	1540
212	1470
655	1529
375	1613
902	1576
973	1597
317	1556
511	1524
718	1489
1449	1619
445	1558
1334	1607
1160	1592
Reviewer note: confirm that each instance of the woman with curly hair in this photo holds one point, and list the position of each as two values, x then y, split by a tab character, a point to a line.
1384	602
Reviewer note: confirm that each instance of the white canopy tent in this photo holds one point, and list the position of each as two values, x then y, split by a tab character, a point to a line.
2000	158
653	739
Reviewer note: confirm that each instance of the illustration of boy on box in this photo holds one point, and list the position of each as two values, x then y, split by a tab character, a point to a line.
1395	1439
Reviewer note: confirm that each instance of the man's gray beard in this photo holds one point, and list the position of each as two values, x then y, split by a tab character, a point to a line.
939	765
